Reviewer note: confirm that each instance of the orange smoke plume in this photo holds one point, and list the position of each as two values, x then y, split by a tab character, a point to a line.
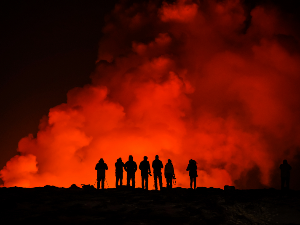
210	81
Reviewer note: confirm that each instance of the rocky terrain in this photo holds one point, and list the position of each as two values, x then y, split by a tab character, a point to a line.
48	205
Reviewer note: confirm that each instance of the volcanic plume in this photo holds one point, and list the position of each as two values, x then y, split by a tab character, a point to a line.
213	81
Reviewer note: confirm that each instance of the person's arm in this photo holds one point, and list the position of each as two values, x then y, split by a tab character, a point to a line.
106	167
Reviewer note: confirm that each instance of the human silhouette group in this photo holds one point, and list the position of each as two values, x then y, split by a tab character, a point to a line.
131	167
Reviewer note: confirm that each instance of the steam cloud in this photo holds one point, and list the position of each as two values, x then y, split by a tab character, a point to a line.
214	81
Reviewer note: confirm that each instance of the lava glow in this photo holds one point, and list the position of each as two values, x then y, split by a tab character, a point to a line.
212	81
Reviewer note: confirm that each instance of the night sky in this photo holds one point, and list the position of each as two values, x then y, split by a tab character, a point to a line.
46	50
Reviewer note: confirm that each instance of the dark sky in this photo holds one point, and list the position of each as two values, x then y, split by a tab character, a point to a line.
46	50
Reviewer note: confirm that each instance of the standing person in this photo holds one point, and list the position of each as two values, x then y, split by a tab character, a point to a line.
169	173
285	174
101	166
157	166
145	170
192	168
130	167
119	171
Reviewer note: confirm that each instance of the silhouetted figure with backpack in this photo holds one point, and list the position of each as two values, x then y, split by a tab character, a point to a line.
285	174
157	166
145	170
119	171
101	167
192	168
169	173
130	167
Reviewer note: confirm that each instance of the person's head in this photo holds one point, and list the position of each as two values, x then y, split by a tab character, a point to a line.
284	161
169	161
130	157
101	160
145	158
119	160
156	157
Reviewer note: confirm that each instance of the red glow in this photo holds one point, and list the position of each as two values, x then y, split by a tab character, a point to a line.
182	81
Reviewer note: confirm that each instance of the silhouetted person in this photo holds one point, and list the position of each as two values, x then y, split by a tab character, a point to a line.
192	168
285	174
101	167
169	173
145	170
157	166
119	171
130	167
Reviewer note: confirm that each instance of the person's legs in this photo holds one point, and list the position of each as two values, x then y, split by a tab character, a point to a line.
128	180
102	183
146	179
170	182
282	183
191	182
195	182
133	181
143	179
160	181
98	184
287	183
155	181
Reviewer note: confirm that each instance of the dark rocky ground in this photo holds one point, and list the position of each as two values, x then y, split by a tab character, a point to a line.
49	205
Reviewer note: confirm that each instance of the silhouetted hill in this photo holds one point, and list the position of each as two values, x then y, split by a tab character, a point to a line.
74	205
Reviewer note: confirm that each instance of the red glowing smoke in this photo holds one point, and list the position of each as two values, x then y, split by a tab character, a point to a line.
211	81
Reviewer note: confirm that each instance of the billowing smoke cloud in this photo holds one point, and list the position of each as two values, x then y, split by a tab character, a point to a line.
214	81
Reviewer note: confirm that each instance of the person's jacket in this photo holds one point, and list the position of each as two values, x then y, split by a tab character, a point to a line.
192	168
157	166
130	166
285	170
119	167
145	168
169	169
101	167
